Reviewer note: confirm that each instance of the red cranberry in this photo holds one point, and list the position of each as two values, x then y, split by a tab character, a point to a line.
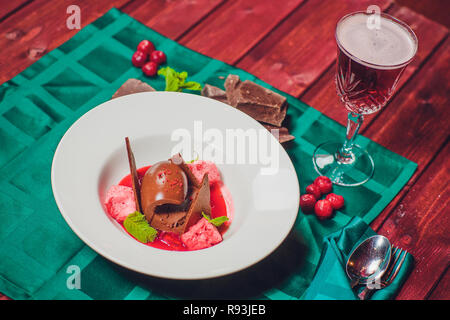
139	58
150	69
158	57
323	209
324	183
337	201
314	190
307	202
146	46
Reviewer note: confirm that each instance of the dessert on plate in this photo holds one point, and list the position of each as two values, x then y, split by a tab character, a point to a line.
172	204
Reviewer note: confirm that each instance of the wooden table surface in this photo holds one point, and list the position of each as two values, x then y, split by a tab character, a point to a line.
292	47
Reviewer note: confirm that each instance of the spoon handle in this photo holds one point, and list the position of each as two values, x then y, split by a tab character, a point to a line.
364	295
354	283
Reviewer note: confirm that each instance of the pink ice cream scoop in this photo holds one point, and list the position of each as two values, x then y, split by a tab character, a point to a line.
201	235
119	202
200	167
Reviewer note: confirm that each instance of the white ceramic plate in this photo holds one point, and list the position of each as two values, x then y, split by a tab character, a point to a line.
92	156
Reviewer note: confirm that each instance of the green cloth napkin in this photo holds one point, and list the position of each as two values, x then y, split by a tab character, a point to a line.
331	282
39	252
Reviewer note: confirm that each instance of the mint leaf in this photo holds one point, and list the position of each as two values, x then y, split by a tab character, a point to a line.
216	221
182	76
176	81
193	160
138	227
192	85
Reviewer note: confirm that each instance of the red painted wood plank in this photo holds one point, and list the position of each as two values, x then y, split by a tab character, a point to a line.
47	29
442	290
9	6
436	10
3	297
232	30
170	18
322	95
417	127
293	56
43	25
420	224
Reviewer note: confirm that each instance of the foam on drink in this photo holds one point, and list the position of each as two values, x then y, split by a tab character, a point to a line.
390	45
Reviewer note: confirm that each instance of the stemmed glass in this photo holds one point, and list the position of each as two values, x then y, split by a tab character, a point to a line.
373	52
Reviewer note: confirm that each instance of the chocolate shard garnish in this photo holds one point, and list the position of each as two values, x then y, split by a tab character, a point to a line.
214	93
172	198
283	133
232	83
132	86
134	176
201	203
258	102
178	160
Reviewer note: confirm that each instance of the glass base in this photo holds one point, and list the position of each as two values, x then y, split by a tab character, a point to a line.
354	170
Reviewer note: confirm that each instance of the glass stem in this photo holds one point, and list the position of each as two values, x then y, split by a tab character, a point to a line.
354	122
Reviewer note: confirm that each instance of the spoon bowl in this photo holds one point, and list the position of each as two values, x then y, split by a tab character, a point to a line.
369	260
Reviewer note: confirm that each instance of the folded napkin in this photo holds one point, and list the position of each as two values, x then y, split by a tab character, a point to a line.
331	281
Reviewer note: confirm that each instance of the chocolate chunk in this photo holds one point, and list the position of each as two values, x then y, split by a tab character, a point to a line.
283	133
214	93
232	83
132	86
258	102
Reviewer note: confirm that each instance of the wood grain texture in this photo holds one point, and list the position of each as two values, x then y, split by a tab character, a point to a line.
436	10
230	32
292	57
43	26
417	130
419	224
418	125
9	7
322	95
442	290
170	18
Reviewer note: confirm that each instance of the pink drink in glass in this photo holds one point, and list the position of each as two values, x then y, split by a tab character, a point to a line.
371	61
373	52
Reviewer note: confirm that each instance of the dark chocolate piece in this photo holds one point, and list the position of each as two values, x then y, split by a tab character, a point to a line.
178	160
258	102
283	133
214	93
231	86
132	86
